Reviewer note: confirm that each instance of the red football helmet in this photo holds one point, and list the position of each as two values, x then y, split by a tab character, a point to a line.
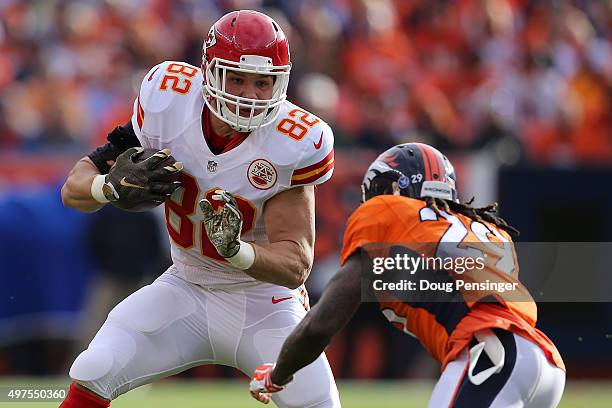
251	42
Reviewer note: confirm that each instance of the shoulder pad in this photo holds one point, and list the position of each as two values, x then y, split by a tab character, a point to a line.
310	143
166	81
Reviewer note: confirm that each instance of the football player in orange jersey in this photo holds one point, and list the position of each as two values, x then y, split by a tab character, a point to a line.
490	352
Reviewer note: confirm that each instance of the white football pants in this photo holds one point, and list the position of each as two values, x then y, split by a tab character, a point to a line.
503	370
172	325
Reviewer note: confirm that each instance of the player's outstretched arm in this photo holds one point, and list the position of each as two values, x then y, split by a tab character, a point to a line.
289	218
336	307
308	340
289	222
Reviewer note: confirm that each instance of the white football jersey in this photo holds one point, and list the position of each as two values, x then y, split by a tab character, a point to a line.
295	150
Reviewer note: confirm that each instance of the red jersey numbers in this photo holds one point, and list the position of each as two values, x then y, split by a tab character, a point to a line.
178	77
179	225
180	212
294	129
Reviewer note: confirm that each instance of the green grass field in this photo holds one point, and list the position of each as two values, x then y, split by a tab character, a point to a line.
234	394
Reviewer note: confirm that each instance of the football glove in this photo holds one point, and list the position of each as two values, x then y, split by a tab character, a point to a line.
223	227
261	385
129	181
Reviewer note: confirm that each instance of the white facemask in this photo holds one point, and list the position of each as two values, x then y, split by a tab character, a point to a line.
217	98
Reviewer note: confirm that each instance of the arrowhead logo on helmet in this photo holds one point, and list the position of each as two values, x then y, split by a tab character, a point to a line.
211	39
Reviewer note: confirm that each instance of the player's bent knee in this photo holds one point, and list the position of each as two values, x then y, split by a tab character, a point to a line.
92	365
91	370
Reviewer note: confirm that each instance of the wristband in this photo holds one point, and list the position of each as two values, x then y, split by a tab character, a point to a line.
244	258
101	190
96	189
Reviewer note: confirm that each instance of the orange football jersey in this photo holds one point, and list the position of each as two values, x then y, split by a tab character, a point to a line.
446	328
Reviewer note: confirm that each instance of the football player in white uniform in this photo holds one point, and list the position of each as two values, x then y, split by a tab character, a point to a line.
241	224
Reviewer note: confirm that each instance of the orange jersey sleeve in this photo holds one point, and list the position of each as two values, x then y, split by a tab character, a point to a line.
363	227
381	220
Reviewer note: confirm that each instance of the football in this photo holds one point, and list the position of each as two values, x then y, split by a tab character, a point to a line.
145	205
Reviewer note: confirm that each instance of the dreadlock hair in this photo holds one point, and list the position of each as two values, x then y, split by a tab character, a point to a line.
477	214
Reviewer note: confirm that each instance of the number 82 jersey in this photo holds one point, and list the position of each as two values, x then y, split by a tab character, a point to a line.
295	150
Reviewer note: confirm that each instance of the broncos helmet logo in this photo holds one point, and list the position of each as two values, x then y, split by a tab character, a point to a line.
389	158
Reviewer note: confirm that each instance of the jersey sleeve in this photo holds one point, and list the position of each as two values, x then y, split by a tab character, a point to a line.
142	102
138	115
119	140
381	223
366	226
157	98
316	165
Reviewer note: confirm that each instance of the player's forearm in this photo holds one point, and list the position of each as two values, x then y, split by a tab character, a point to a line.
283	263
76	191
338	304
302	347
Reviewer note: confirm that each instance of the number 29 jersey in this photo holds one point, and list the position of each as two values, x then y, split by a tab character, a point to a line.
445	324
295	150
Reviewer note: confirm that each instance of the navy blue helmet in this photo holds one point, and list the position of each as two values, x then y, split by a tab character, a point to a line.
413	170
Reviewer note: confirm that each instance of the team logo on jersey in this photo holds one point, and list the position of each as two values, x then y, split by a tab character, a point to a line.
212	166
261	174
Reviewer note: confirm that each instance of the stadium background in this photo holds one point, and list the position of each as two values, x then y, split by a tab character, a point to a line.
517	93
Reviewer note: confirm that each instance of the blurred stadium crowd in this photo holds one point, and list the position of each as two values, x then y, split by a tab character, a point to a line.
457	73
529	83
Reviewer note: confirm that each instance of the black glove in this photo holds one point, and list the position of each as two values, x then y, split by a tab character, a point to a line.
132	181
